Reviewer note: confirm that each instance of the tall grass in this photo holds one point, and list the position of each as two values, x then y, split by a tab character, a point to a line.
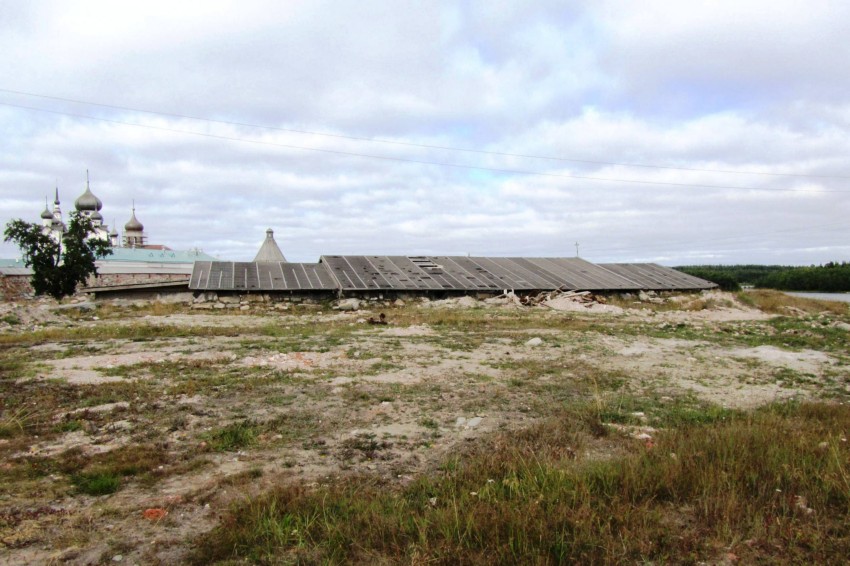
767	486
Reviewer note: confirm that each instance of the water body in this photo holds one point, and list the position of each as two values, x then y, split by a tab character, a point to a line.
843	297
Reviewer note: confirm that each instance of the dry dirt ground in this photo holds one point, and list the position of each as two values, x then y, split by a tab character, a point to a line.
189	411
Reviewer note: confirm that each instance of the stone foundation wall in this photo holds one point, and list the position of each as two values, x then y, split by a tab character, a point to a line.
14	287
208	300
113	279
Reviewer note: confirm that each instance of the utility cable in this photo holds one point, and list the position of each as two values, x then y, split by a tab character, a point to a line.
422	145
419	161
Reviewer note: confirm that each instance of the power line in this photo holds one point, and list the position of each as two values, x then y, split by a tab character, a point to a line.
418	161
727	241
420	145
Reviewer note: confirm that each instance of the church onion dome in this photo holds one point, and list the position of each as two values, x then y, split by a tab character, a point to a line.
88	202
96	216
46	214
133	225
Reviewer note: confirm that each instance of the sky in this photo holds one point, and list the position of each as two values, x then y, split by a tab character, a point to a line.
702	132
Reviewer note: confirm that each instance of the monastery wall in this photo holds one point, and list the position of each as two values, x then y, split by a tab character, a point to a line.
13	287
114	279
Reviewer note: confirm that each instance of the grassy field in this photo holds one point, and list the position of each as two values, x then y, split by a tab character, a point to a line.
716	486
708	428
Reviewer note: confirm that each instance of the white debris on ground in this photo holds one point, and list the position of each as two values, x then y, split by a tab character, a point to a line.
292	360
579	302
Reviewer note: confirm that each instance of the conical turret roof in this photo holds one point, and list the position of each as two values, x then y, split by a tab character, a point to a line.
269	250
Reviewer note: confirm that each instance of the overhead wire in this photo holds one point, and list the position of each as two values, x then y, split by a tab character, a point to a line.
421	161
736	241
419	145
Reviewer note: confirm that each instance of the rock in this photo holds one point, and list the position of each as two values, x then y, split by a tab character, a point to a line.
86	306
534	342
467	423
348	304
398	303
467	302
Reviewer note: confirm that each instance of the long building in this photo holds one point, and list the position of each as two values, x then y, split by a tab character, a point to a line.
358	275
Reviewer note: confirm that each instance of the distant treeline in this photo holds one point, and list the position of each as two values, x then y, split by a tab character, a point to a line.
831	277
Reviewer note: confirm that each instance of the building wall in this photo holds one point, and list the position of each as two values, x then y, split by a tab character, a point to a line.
13	287
111	279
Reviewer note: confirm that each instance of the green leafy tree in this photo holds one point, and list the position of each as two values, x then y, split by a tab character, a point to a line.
58	267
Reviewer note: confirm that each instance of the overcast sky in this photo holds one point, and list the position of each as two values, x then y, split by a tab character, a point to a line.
673	132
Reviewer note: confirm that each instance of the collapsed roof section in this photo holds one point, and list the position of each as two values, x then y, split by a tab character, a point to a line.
438	273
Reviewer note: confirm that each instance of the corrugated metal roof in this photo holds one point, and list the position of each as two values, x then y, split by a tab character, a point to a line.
15	270
260	276
139	255
657	277
439	273
11	263
158	256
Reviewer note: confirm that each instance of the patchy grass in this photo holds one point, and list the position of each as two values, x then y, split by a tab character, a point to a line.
10	319
233	437
654	411
777	302
567	484
18	421
97	483
708	487
140	332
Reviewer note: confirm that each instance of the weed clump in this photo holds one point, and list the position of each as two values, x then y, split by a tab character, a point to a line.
97	483
234	436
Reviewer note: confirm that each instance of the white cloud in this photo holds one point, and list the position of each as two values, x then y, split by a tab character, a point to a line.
758	87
